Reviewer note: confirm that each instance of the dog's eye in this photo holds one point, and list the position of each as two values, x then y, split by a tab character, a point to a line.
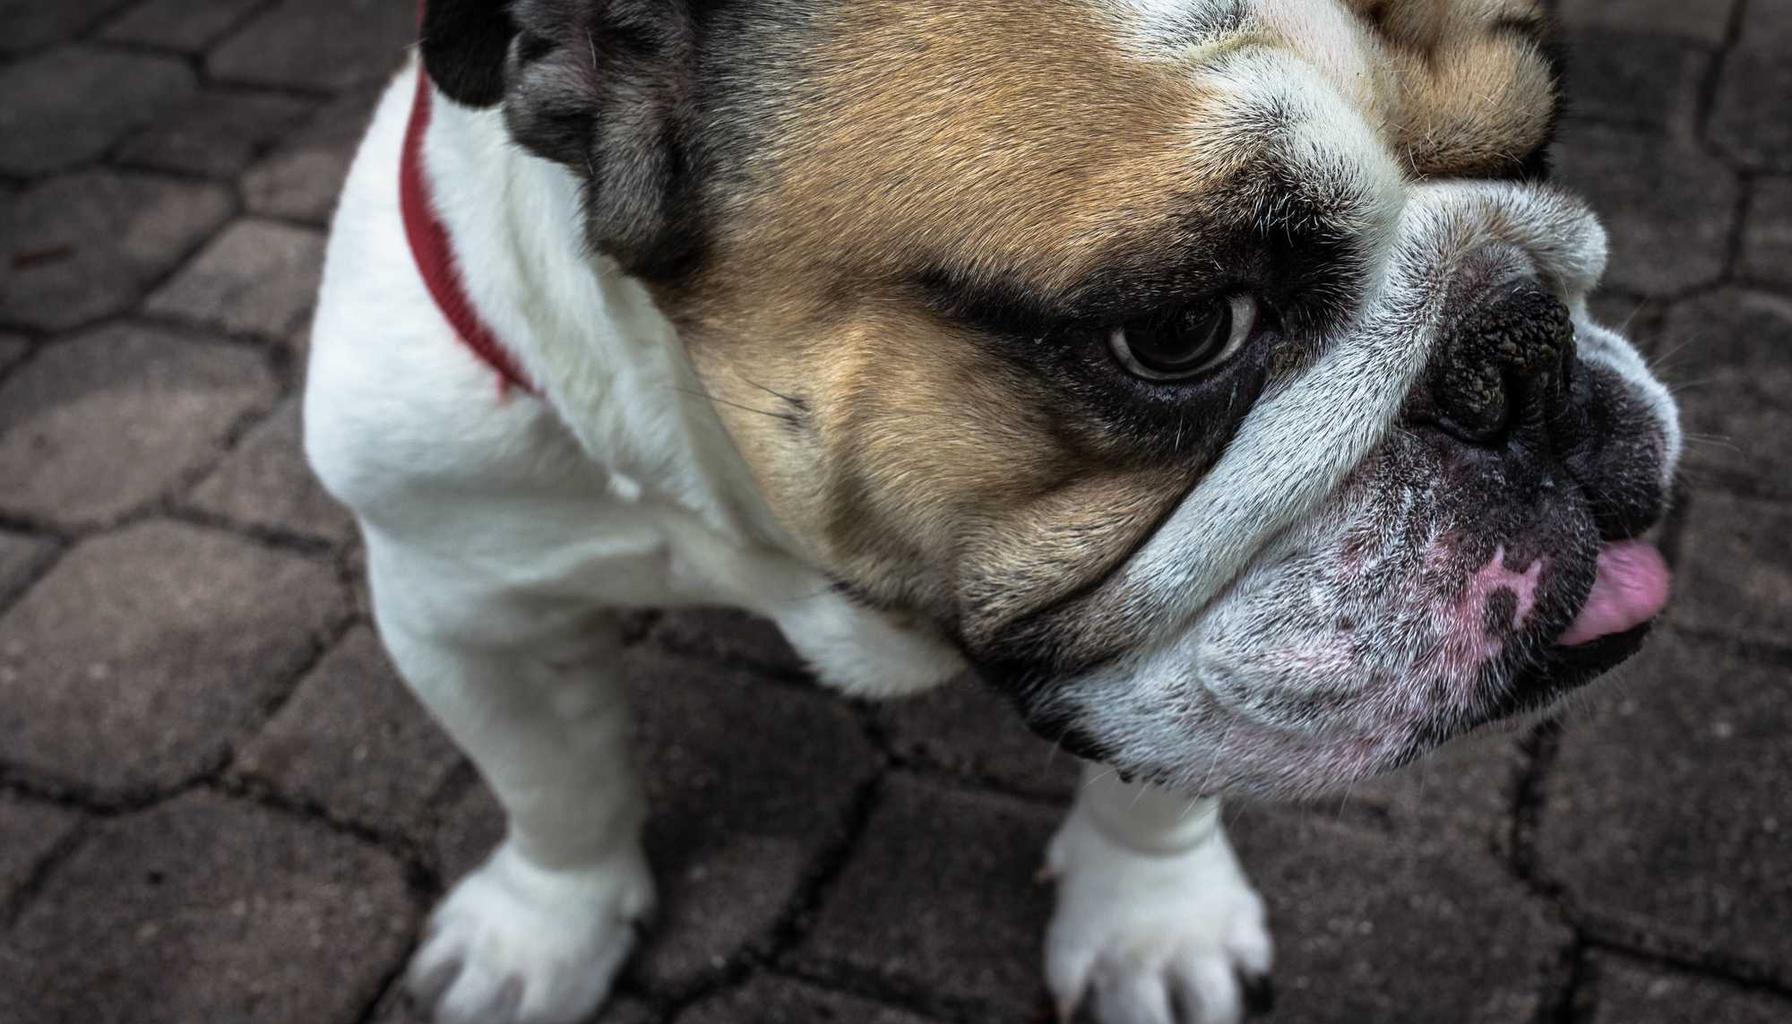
1186	343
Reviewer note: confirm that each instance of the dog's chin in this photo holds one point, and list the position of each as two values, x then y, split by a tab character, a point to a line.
1272	733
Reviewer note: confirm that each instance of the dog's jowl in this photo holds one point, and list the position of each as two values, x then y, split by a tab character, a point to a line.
1214	377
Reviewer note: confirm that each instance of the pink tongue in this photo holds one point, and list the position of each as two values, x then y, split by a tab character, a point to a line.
1630	588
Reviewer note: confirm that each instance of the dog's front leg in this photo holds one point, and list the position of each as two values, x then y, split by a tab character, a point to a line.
531	690
1155	921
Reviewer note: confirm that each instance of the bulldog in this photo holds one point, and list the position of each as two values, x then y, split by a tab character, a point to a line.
1213	377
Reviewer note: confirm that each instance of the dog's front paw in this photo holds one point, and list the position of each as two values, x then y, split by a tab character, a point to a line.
1176	938
519	944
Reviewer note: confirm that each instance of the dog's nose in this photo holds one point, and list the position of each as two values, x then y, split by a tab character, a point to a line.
1503	365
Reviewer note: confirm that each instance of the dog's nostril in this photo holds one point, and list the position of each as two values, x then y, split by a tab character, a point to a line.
1504	363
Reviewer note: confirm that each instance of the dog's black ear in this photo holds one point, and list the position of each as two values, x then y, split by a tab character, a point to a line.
464	44
607	88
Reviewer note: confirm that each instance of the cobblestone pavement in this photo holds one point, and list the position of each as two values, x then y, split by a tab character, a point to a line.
216	803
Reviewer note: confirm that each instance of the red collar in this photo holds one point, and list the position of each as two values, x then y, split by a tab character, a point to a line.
434	251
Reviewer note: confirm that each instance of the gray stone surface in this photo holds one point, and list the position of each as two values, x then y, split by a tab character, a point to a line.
1701	21
215	134
939	901
207	909
318	44
1730	358
136	661
1369	927
257	277
1667	206
69	105
1748	121
266	483
775	1000
720	634
13	350
1634	78
398	1009
751	784
1630	992
1767	234
1466	791
300	179
88	245
968	729
1735	569
469	825
102	425
1665	815
354	742
30	831
179	24
34	23
20	556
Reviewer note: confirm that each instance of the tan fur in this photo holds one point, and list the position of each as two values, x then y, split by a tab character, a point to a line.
1023	139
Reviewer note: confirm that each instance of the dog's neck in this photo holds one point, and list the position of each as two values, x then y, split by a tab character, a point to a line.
585	334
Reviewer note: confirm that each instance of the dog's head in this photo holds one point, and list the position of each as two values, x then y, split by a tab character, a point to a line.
1216	372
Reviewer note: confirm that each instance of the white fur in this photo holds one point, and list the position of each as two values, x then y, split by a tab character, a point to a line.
502	527
515	941
1153	910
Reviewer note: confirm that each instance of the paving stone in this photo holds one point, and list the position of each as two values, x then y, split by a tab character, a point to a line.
69	105
398	1009
1667	206
20	556
133	665
103	424
724	634
1466	790
768	999
13	349
966	728
207	909
1747	120
30	831
353	741
318	44
266	482
1704	21
88	245
749	785
1630	992
1767	234
1730	363
469	825
187	25
1635	317
1735	569
301	179
1396	930
31	24
216	133
938	901
1665	815
257	277
1633	78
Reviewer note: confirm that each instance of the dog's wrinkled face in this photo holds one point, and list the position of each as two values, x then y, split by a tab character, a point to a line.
1214	371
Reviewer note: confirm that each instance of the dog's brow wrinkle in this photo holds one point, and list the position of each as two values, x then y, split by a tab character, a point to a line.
1167	28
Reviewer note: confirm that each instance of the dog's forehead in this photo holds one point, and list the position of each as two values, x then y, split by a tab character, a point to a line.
1044	135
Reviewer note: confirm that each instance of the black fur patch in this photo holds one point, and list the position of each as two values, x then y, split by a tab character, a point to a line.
607	88
463	46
